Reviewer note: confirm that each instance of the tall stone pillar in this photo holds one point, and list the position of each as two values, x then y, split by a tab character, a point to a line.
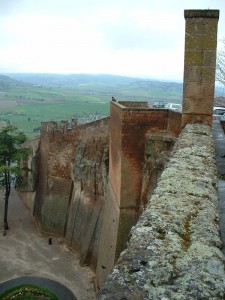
199	65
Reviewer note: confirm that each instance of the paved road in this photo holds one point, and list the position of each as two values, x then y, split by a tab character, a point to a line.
26	252
219	141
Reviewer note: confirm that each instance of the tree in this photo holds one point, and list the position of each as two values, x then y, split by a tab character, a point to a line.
11	154
220	65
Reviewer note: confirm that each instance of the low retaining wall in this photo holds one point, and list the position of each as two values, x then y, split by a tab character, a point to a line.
174	249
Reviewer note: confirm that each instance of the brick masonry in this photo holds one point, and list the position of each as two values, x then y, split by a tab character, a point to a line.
131	124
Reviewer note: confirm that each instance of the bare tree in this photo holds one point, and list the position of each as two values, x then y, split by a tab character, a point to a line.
220	65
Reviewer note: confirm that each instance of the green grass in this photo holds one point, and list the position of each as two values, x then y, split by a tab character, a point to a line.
27	117
49	97
28	292
2	124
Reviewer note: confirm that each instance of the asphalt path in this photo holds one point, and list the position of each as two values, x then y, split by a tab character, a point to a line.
219	142
24	251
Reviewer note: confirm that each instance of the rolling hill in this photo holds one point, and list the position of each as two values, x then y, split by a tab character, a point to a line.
28	99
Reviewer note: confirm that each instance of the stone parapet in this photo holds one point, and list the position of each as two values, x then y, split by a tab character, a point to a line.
174	250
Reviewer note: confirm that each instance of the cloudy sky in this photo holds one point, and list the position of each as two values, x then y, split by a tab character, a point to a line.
142	38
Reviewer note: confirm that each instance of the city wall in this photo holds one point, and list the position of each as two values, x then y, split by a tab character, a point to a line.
97	182
139	135
174	250
71	194
56	155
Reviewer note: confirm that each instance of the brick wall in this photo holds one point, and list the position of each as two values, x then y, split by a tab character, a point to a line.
130	124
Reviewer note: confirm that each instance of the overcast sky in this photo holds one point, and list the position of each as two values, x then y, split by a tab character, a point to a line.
142	38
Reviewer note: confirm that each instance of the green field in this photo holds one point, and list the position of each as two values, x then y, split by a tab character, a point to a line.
26	100
28	117
27	105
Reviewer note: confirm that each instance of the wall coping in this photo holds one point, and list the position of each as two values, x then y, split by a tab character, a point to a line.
201	13
174	250
123	107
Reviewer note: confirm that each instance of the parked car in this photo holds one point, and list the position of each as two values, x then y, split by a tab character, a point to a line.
159	104
174	106
222	118
218	112
222	122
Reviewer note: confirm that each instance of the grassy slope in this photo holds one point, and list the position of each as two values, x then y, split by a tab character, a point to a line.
28	99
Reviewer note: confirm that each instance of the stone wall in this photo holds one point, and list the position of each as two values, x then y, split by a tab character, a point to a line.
90	179
138	137
72	181
28	193
73	196
60	147
173	251
56	155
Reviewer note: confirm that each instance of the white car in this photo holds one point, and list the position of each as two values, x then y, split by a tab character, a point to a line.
223	118
174	106
218	112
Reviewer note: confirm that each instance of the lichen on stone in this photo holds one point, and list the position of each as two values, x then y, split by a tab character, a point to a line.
174	250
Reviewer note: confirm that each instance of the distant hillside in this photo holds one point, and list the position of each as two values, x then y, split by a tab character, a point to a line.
71	80
26	100
219	101
104	85
6	81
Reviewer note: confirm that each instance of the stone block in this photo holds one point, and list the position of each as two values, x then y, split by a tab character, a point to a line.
211	26
194	41
193	57
198	98
209	58
193	73
210	40
208	95
192	91
208	75
198	105
194	26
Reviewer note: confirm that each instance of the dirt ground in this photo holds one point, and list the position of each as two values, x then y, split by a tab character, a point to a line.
24	251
